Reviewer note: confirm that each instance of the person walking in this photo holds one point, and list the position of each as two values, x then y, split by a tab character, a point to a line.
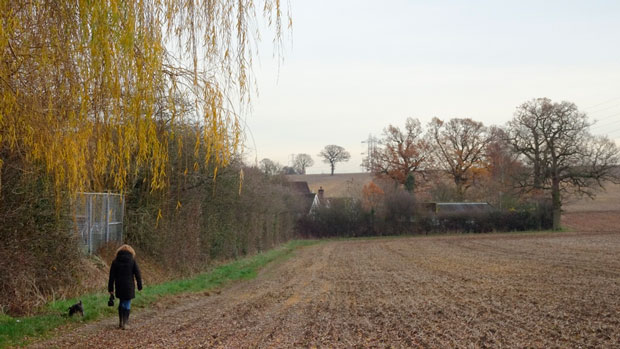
122	272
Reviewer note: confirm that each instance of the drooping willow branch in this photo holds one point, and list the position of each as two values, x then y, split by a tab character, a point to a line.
92	91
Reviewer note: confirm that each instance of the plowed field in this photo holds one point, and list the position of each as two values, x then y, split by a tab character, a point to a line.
504	290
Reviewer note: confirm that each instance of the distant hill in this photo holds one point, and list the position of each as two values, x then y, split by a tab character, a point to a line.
338	185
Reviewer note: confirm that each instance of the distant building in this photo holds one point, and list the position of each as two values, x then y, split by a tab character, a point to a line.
320	200
311	201
449	208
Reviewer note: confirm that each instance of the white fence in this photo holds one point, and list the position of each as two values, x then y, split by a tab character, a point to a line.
99	219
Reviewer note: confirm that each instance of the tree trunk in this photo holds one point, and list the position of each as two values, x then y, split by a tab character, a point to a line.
556	203
410	183
537	176
460	188
333	167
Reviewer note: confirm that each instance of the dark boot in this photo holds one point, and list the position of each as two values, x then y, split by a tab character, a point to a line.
121	316
126	319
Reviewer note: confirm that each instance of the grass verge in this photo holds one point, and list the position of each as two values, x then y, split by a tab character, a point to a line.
21	331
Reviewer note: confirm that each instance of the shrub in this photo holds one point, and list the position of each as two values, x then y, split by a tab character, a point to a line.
530	216
39	255
343	218
205	219
399	216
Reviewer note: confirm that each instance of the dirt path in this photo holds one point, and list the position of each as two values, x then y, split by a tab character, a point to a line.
543	290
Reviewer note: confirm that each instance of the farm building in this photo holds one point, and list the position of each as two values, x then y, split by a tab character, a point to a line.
448	208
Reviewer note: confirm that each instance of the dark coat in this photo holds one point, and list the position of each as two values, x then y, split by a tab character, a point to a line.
122	272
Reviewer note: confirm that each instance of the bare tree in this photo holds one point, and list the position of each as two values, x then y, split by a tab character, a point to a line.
301	162
503	170
459	146
288	170
526	138
554	140
332	154
270	167
401	153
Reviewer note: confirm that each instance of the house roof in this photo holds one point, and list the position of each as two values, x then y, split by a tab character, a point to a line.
462	207
454	207
300	187
308	200
303	190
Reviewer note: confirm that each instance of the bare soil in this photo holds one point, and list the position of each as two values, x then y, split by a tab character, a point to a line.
498	290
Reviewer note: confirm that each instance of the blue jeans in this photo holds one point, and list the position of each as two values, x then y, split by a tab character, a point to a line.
125	303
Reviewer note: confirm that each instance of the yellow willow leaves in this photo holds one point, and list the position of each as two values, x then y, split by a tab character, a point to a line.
94	92
159	217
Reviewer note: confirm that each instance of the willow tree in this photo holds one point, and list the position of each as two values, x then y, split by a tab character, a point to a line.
93	91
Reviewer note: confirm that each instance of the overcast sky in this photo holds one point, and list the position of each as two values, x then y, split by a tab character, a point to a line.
352	68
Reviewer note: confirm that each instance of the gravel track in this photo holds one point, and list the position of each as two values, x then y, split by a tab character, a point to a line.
496	290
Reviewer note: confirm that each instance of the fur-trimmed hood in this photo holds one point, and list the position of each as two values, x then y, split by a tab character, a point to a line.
126	248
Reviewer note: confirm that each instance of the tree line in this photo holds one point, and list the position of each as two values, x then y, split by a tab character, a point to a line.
545	150
331	154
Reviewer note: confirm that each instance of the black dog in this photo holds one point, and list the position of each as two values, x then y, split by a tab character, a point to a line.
76	308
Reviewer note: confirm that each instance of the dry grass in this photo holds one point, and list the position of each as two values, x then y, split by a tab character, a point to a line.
338	185
510	290
605	200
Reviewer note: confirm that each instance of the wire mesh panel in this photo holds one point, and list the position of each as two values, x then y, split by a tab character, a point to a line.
99	219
